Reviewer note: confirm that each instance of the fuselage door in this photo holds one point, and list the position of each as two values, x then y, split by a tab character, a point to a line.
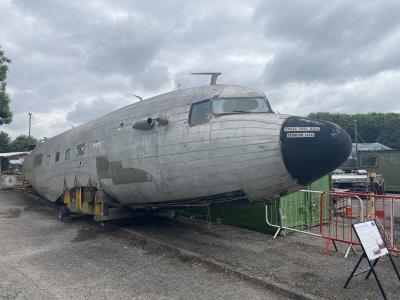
80	156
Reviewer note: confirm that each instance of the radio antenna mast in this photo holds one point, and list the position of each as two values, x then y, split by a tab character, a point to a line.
214	76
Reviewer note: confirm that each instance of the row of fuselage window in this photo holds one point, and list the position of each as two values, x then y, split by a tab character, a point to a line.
38	159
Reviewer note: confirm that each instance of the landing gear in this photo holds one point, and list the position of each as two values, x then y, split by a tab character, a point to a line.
63	212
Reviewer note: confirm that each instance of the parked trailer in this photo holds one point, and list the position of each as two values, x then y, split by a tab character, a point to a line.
383	162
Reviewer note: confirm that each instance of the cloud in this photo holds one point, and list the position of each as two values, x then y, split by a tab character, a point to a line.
330	41
122	47
364	95
84	111
73	61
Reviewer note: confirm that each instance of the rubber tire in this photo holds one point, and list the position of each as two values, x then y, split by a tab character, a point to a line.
63	212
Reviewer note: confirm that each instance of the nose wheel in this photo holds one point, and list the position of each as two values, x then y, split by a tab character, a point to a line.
63	212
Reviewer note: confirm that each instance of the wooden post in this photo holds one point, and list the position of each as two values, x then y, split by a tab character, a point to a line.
29	130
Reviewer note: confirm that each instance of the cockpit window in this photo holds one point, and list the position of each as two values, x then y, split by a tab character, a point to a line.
200	113
241	105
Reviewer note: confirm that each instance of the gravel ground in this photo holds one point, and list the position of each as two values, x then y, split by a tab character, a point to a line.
295	261
43	258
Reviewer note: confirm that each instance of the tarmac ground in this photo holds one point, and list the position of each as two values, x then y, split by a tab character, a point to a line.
44	258
158	258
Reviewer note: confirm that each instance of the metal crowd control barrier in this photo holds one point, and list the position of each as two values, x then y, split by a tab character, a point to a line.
299	214
346	209
332	215
349	208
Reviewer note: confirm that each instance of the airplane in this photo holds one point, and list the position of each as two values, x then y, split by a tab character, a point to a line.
218	143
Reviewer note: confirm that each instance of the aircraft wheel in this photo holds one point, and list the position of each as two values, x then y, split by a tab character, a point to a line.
63	212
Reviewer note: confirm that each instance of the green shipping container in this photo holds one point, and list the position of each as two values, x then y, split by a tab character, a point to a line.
297	210
301	210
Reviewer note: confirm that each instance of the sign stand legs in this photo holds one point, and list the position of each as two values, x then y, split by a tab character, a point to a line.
354	270
371	270
373	266
374	247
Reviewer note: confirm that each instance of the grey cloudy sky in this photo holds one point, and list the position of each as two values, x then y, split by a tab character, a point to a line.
75	60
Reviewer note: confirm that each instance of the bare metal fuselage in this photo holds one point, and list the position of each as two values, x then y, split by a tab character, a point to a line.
170	162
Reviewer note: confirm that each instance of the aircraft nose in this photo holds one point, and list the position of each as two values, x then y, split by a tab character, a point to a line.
312	149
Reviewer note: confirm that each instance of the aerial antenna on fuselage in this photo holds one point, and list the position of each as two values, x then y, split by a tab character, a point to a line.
140	98
214	76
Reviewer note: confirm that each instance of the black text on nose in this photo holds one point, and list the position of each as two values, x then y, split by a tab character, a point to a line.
312	149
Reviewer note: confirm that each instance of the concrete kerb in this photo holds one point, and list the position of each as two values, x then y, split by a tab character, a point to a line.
264	282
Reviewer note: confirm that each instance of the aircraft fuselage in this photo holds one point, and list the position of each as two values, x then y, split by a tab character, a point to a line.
188	144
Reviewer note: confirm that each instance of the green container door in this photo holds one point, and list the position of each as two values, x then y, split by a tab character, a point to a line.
323	184
301	210
293	210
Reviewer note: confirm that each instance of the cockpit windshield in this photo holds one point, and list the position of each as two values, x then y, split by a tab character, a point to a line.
241	105
202	112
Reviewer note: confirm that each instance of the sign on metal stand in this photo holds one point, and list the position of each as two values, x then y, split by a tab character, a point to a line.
374	247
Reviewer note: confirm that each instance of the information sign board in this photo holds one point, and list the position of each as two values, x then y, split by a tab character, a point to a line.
373	247
371	239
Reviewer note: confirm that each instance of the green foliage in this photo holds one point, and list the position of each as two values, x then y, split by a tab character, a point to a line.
19	144
4	142
383	128
22	143
5	112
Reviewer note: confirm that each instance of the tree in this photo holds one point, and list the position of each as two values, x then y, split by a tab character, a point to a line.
21	143
4	142
5	112
383	128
